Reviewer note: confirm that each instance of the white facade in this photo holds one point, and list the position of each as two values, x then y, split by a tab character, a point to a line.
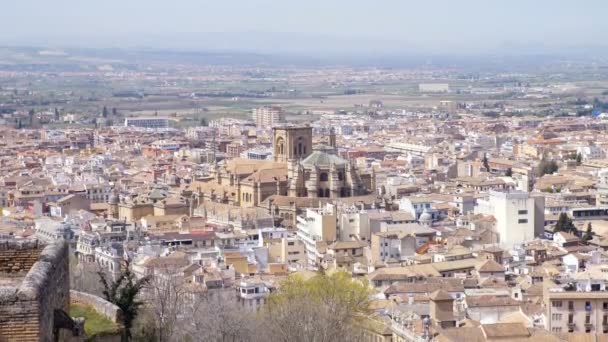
268	116
147	122
518	215
317	226
354	224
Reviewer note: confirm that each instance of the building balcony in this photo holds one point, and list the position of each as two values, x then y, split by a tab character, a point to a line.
571	325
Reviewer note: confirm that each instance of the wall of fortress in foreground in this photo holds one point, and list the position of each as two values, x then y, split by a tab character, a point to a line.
34	282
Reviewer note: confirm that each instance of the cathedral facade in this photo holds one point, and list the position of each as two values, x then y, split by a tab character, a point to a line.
295	171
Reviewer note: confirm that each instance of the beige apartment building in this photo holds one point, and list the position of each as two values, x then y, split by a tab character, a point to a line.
580	307
290	251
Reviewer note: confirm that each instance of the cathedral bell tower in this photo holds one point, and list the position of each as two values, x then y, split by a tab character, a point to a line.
291	142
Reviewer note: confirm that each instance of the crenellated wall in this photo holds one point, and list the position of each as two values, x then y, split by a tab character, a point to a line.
31	289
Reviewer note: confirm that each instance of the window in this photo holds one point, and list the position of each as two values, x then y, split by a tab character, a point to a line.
291	243
323	177
522	221
556	317
556	303
587	319
605	305
522	212
570	305
556	329
587	306
571	319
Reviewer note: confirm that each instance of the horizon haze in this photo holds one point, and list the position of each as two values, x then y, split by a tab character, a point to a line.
314	27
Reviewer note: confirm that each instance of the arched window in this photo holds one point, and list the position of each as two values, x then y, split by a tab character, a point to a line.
323	177
326	192
280	146
299	148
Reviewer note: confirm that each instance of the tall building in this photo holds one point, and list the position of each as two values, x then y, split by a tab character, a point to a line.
268	116
519	216
317	228
291	142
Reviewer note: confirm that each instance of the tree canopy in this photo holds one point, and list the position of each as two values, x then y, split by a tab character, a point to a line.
327	307
564	224
547	167
124	292
588	236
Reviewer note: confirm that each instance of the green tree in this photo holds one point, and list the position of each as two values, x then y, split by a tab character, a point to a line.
123	292
31	114
104	112
328	307
547	167
486	164
589	233
564	224
509	172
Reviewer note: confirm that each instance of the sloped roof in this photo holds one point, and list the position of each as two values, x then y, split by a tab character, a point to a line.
490	266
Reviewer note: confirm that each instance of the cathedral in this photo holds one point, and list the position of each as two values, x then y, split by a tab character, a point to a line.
297	170
316	173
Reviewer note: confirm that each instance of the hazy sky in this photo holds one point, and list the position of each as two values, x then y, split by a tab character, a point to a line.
434	25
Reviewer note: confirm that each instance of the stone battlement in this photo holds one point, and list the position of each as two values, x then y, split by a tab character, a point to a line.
34	282
18	256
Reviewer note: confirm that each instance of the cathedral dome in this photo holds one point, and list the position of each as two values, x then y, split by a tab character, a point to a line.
425	217
318	158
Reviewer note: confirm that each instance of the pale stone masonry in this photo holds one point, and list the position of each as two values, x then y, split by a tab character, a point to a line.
34	284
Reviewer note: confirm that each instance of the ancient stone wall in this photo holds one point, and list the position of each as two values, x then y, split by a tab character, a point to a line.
17	257
111	311
27	306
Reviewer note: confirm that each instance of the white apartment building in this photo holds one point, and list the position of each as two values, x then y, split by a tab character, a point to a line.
591	152
147	122
268	116
354	224
519	216
252	293
317	228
